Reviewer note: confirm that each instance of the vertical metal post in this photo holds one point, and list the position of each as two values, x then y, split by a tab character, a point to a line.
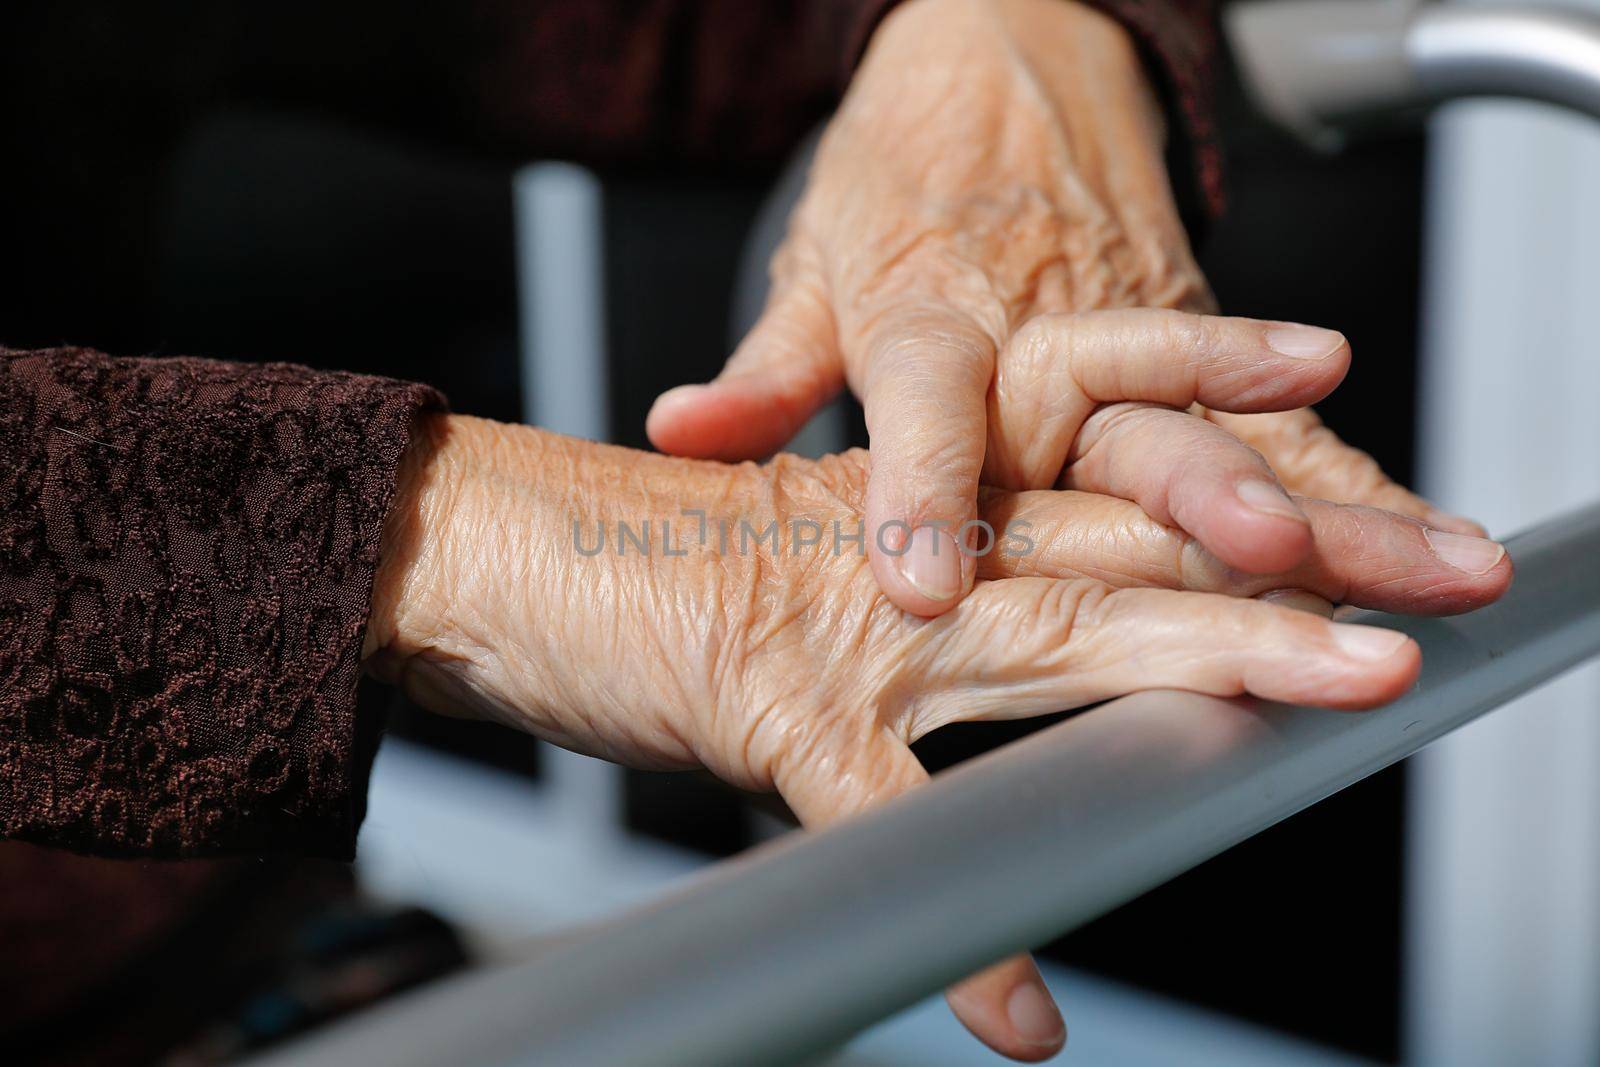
561	296
1503	915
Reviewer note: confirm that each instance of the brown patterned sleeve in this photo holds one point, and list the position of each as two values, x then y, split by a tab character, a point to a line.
187	551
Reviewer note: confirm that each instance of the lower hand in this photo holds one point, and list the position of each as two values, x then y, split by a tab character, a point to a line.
791	670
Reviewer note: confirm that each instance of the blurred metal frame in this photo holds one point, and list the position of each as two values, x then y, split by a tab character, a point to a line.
1502	920
1503	857
1318	67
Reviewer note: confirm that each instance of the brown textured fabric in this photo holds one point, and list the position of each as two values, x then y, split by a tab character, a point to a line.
187	551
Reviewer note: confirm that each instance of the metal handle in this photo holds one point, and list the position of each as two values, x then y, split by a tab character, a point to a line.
1321	67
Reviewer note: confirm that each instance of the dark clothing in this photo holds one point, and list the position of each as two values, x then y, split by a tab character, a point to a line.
187	551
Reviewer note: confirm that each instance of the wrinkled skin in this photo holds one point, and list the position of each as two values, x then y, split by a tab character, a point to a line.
996	165
792	670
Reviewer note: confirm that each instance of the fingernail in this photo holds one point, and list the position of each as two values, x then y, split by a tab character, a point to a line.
1303	342
1268	498
1034	1016
932	563
1475	555
1368	642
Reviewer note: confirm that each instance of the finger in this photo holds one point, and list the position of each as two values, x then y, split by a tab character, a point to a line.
1008	1007
786	368
923	392
1190	473
1032	645
1311	460
840	774
1361	556
837	771
1057	368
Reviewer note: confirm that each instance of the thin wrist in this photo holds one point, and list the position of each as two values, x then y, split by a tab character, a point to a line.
449	542
1072	56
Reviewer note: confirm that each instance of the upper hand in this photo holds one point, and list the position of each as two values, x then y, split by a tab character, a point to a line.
996	165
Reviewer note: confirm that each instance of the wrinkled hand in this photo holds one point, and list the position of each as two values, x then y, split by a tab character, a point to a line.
784	666
996	165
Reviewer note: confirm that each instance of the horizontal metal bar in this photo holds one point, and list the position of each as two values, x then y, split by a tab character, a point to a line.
791	949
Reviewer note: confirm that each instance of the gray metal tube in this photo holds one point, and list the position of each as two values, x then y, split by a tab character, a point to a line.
789	950
1551	56
1320	66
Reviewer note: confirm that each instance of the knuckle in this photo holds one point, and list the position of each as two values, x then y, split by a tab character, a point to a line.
1122	420
1198	570
1196	337
792	751
930	355
1041	336
1064	611
929	463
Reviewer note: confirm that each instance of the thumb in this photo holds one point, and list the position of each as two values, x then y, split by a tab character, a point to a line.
1005	1005
924	393
786	368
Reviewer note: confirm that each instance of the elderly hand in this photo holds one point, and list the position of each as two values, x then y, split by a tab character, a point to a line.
763	649
996	165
